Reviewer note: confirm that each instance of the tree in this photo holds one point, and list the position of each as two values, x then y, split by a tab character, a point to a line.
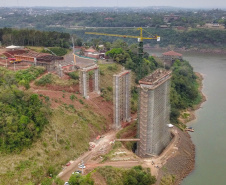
77	179
78	42
138	176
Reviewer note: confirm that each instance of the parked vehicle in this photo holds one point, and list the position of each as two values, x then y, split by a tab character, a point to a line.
82	166
77	172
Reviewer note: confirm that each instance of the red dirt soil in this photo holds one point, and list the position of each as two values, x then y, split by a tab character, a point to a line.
58	97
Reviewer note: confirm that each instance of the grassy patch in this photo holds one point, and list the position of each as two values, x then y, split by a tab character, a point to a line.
56	50
106	81
74	75
130	145
25	76
56	80
167	180
109	155
126	129
47	79
65	137
119	176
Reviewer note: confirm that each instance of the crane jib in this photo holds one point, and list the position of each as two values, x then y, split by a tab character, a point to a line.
124	36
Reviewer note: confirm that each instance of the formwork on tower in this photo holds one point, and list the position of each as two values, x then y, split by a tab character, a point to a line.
153	113
121	98
84	80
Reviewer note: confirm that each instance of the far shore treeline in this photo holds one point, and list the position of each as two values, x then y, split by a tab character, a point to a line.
31	37
61	37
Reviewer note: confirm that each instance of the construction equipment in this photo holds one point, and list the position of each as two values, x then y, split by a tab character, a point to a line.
140	38
14	60
73	45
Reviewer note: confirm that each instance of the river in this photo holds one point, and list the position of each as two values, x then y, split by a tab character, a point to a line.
210	126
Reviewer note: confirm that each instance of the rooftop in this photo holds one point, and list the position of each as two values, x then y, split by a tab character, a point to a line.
156	77
40	56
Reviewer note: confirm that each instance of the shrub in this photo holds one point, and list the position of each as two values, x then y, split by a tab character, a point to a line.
72	97
47	79
109	88
74	75
82	102
101	72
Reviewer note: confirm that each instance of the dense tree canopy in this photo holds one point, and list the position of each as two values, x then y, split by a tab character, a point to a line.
22	115
184	88
28	37
134	176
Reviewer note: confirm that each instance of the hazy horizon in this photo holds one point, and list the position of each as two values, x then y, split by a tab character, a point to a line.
115	3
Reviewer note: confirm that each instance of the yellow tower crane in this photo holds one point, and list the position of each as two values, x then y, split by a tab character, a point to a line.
140	38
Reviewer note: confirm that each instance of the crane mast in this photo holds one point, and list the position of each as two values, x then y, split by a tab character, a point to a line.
140	39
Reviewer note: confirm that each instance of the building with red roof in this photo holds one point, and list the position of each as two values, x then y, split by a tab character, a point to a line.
172	53
170	56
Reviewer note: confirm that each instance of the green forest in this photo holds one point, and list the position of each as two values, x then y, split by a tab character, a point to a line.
192	38
31	37
22	115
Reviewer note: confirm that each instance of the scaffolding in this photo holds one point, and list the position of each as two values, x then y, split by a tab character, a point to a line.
153	113
121	98
84	80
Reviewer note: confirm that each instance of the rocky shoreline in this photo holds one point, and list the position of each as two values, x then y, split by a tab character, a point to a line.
183	163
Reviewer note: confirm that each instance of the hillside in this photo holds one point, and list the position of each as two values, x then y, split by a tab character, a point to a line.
73	123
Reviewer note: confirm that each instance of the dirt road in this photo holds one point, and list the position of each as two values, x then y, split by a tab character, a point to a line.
66	173
154	163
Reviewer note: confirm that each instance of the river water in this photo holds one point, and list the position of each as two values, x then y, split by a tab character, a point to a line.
210	126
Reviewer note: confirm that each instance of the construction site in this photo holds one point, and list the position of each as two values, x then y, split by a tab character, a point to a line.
153	113
154	107
155	144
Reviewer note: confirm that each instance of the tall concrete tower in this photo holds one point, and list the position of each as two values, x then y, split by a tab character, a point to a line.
154	112
121	98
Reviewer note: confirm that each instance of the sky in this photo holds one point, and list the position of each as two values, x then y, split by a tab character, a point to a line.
118	3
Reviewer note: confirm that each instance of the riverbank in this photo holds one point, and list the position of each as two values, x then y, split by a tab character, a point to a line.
194	50
183	162
189	114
